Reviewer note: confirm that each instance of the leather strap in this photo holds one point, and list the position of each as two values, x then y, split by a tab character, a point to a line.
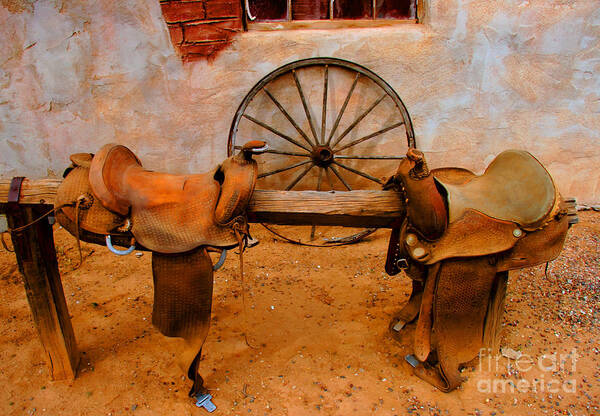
393	263
14	194
14	191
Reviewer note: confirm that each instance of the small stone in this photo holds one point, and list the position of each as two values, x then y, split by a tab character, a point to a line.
510	353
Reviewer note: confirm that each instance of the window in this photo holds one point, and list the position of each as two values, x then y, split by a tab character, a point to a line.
284	14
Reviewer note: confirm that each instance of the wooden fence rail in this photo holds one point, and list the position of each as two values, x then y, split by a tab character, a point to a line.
352	209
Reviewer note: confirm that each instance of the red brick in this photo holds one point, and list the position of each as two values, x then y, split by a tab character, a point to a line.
180	11
176	33
211	31
223	8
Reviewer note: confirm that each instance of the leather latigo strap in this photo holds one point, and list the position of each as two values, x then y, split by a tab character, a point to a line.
395	260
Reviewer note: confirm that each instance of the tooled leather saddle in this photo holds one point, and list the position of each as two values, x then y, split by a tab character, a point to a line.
177	217
461	235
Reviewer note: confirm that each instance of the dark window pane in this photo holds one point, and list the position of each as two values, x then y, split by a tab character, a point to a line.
352	9
268	9
395	9
310	9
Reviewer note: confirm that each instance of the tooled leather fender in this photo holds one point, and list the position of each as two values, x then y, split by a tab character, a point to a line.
510	217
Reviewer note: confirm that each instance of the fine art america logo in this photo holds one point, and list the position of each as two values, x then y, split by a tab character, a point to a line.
552	373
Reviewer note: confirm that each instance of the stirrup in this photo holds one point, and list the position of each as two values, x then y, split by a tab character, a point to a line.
116	251
219	263
203	400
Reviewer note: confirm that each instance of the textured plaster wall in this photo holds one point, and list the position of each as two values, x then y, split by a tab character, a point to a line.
477	77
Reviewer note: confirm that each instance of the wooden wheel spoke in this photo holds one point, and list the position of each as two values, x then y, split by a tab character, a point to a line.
324	112
341	113
277	132
359	119
305	105
370	157
340	177
358	172
329	179
273	172
319	180
287	115
370	136
299	177
279	152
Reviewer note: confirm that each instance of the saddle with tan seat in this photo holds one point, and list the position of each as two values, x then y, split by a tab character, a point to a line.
177	217
461	235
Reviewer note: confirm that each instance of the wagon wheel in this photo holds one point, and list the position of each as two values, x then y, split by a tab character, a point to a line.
330	124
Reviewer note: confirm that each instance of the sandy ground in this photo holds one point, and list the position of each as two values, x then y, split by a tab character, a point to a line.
320	317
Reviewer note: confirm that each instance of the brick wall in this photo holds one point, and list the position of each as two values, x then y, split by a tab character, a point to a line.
200	29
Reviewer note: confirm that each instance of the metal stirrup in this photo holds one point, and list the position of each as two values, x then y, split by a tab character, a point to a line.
116	251
218	264
204	400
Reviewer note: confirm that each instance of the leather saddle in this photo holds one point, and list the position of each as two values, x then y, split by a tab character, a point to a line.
461	235
177	217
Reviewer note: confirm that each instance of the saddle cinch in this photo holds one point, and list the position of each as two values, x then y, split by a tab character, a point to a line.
461	235
177	217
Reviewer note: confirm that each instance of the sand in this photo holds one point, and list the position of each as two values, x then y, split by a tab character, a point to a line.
319	319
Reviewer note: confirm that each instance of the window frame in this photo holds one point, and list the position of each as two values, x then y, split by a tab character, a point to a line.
330	23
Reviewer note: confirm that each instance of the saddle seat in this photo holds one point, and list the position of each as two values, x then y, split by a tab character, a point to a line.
174	213
515	187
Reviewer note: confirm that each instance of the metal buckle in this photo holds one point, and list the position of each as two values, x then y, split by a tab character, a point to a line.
402	264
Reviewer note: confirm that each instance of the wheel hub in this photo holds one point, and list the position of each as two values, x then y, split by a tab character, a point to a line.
322	156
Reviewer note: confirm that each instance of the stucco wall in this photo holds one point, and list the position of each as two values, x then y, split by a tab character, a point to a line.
477	77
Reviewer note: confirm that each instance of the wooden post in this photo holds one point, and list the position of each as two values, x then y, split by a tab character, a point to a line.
36	256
